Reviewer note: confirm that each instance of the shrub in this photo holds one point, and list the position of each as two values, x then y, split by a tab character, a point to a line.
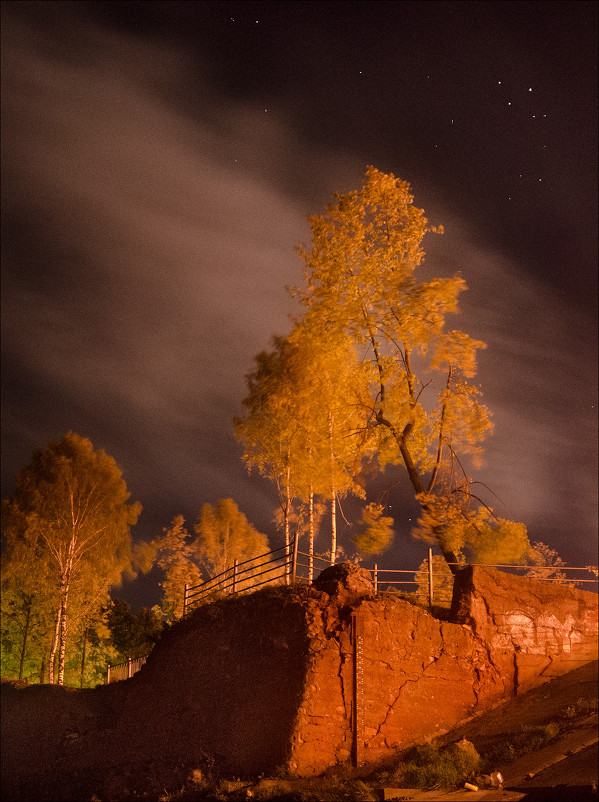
425	766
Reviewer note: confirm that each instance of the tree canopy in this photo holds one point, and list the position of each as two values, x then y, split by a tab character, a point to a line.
405	390
224	534
67	533
176	556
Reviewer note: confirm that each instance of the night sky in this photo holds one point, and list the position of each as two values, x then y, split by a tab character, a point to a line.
159	162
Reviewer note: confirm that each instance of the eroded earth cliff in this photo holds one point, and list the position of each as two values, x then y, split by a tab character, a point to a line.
297	678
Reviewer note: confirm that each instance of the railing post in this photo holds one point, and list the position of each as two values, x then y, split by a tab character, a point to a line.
129	661
108	674
357	636
294	560
185	600
430	577
235	564
287	556
375	577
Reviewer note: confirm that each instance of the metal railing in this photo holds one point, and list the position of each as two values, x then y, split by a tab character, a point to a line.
289	565
533	569
284	565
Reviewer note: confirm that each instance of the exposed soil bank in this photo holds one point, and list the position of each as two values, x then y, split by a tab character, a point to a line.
250	684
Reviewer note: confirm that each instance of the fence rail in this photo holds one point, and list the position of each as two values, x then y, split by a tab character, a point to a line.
289	565
286	565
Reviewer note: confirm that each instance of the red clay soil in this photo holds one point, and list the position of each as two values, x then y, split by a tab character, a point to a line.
217	689
198	702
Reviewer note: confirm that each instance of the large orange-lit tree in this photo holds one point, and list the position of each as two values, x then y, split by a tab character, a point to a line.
422	412
70	518
301	402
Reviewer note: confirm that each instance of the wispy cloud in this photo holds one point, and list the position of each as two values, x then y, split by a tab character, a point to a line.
148	240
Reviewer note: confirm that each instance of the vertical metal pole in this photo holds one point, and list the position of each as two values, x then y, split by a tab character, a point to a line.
108	674
357	628
129	661
235	564
375	576
185	600
294	563
430	577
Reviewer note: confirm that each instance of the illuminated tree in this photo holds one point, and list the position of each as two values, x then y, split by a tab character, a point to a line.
270	429
300	404
540	554
132	634
28	601
327	389
422	410
377	534
70	514
176	559
224	534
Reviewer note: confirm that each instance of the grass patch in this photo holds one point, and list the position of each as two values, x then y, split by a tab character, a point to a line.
583	706
527	739
333	788
433	768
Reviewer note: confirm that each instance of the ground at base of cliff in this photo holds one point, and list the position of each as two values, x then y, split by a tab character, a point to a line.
544	743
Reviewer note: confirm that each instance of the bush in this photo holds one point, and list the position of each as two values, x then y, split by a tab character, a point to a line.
428	767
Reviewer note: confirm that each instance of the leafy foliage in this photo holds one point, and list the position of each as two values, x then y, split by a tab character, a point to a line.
421	411
543	556
175	555
377	535
428	767
225	534
133	635
67	533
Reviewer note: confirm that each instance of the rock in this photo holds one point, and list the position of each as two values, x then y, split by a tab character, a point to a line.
345	582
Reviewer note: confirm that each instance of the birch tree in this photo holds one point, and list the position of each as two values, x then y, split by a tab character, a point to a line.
269	431
70	509
224	534
423	411
175	557
300	406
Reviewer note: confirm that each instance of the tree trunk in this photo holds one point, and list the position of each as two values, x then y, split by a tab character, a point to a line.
43	670
25	634
287	511
333	524
311	534
333	496
63	639
65	583
83	657
54	646
448	554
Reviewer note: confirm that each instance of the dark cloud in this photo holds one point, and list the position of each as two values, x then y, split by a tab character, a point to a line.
149	220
